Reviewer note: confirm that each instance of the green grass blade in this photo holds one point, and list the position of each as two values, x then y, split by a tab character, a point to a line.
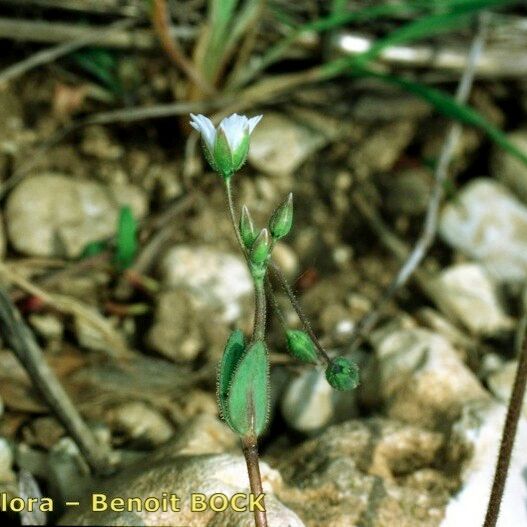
126	242
449	107
365	14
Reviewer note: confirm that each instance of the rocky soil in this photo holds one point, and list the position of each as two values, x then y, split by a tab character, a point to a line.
414	445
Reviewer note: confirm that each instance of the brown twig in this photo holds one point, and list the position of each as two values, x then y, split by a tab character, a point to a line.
49	55
23	344
71	306
425	240
509	429
161	23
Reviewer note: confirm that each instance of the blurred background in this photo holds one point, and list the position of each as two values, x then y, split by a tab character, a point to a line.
400	126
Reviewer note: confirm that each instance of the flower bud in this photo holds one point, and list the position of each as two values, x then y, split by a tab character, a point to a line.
247	230
342	374
301	346
260	248
282	219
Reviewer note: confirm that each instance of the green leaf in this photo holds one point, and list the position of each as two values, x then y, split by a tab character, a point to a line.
126	243
248	398
102	65
231	356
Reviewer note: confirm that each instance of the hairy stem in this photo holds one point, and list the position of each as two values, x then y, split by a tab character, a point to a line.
298	308
259	310
250	444
232	213
250	451
509	430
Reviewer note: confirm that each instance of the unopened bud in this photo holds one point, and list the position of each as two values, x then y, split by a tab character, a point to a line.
260	248
301	346
247	230
282	219
342	374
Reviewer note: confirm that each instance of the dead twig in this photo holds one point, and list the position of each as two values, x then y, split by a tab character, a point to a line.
511	423
23	344
49	55
58	32
425	240
161	23
70	306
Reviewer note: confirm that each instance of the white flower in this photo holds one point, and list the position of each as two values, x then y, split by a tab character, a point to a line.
225	147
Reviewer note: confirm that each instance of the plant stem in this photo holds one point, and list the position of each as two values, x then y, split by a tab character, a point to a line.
232	213
250	451
298	308
259	310
274	303
509	430
250	443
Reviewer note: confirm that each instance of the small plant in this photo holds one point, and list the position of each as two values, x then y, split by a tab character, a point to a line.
243	375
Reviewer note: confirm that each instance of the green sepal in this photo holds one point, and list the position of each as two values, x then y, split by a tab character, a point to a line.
126	242
282	219
239	156
248	398
301	346
343	374
260	248
247	230
231	356
209	156
223	154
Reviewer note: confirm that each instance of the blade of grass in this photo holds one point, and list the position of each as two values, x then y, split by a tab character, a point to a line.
340	19
446	105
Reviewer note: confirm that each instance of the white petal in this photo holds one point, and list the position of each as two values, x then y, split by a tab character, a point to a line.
253	122
235	127
205	127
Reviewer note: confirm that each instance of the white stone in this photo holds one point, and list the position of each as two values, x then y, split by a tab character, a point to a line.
220	279
310	403
422	379
57	215
279	145
470	298
487	223
479	429
508	168
501	380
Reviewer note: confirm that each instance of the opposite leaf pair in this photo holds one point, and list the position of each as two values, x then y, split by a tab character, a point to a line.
243	386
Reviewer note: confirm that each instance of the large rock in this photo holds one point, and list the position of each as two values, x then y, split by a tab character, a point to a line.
487	223
421	378
375	472
470	296
219	280
478	433
183	476
508	168
56	215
